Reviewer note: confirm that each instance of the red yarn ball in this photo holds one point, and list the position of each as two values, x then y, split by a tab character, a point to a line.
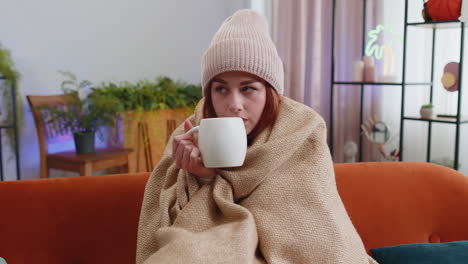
440	10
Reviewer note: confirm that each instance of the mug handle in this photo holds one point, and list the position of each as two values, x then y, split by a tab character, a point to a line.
193	130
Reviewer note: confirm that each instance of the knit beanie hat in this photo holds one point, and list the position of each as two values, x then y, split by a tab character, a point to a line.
243	43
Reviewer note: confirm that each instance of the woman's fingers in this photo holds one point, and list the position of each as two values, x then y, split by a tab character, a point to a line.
198	166
177	140
186	156
195	161
187	125
197	157
185	152
182	153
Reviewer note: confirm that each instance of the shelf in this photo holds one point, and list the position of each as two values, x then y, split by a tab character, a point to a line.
427	83
437	24
447	120
394	83
5	125
365	83
378	83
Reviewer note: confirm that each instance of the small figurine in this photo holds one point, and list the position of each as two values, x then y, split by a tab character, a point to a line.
378	133
450	76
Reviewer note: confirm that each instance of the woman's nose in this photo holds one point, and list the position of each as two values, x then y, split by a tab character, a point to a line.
235	104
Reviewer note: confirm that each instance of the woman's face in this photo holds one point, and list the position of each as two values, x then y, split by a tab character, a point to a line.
239	94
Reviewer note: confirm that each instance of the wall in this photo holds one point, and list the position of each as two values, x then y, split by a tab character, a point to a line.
106	40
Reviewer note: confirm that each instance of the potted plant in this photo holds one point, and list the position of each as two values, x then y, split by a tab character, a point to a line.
427	111
145	95
82	116
149	111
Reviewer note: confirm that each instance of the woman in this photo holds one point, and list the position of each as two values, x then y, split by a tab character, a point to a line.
281	205
229	94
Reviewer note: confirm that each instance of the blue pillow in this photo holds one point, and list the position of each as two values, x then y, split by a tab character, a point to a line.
424	253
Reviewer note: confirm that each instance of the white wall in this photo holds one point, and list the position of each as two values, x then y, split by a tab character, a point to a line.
103	40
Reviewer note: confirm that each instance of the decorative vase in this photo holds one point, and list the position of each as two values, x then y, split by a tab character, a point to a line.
84	142
426	112
369	69
350	150
358	71
147	132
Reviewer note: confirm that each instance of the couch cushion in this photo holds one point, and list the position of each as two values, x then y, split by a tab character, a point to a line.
447	253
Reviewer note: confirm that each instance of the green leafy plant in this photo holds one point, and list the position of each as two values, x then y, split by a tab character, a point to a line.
82	114
132	100
145	95
12	76
427	106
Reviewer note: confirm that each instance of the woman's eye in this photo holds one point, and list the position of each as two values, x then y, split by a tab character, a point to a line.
220	89
248	89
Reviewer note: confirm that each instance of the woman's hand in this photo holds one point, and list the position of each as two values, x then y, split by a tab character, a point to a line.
187	155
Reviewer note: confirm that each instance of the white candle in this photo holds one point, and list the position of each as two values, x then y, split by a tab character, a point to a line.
368	60
358	71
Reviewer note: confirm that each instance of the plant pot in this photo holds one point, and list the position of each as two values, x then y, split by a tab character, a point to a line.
426	113
84	142
147	133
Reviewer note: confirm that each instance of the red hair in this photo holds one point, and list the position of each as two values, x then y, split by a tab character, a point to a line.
269	114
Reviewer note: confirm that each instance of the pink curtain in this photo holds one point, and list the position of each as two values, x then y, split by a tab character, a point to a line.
302	31
302	34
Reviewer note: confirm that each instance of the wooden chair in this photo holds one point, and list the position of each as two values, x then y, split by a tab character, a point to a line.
84	164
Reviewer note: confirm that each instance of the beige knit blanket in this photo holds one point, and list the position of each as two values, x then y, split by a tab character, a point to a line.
281	206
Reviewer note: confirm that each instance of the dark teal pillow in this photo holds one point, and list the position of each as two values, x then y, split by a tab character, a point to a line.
424	253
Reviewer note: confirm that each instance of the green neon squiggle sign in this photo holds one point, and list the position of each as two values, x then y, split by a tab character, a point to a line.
382	51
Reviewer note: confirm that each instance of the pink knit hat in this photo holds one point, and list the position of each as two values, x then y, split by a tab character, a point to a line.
243	43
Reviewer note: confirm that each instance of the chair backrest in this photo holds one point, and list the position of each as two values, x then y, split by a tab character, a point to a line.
46	130
394	203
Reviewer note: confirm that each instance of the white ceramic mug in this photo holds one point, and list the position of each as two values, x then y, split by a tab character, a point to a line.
222	141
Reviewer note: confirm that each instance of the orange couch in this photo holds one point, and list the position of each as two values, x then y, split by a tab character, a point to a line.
94	219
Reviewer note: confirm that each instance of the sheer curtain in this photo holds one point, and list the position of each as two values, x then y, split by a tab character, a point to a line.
302	32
